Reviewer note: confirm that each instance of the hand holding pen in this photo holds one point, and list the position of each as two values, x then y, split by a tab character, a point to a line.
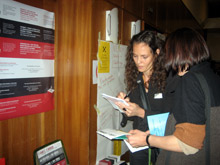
132	109
123	96
124	116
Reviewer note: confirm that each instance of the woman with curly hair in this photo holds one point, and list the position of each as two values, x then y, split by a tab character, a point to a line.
145	76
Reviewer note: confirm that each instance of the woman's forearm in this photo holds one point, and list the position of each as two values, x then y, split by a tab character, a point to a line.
165	142
137	138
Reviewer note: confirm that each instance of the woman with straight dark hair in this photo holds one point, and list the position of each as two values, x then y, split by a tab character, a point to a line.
187	54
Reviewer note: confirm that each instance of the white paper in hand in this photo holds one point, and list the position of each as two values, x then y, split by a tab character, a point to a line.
113	100
133	149
113	133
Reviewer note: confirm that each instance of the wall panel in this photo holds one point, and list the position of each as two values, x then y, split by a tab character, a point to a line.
20	136
73	77
116	2
149	12
161	15
135	7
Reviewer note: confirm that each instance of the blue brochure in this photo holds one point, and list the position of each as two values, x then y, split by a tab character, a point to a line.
157	123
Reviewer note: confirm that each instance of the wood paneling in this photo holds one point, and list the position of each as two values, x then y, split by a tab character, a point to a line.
73	77
161	15
135	7
116	2
149	12
35	3
20	136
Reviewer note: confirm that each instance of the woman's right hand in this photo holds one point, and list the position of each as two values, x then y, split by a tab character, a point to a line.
122	95
132	109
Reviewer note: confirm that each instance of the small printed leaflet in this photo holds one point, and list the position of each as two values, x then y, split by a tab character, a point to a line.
113	100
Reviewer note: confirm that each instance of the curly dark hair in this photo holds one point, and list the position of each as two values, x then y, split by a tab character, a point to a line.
159	74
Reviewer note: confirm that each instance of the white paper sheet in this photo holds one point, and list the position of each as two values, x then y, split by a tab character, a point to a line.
113	100
133	149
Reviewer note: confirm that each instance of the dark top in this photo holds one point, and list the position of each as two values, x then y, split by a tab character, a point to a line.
189	97
155	105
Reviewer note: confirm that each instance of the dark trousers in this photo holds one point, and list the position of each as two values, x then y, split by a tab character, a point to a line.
141	157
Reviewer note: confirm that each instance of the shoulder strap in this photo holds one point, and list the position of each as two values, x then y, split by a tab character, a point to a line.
144	98
206	91
146	106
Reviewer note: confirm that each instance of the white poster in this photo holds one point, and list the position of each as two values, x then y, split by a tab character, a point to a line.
111	68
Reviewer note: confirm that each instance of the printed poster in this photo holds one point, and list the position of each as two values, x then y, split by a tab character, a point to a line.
26	60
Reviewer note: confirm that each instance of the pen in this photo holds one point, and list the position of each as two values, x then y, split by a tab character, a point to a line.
126	97
127	94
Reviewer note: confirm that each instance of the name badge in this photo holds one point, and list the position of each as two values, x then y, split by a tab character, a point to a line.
158	95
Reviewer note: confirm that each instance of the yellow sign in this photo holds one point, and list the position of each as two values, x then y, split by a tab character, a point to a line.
104	57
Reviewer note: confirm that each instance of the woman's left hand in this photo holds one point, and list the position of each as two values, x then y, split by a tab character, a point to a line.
137	138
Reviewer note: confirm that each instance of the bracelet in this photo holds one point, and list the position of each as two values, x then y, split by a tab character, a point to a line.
147	140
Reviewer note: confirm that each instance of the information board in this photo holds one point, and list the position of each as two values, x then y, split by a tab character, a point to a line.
26	60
